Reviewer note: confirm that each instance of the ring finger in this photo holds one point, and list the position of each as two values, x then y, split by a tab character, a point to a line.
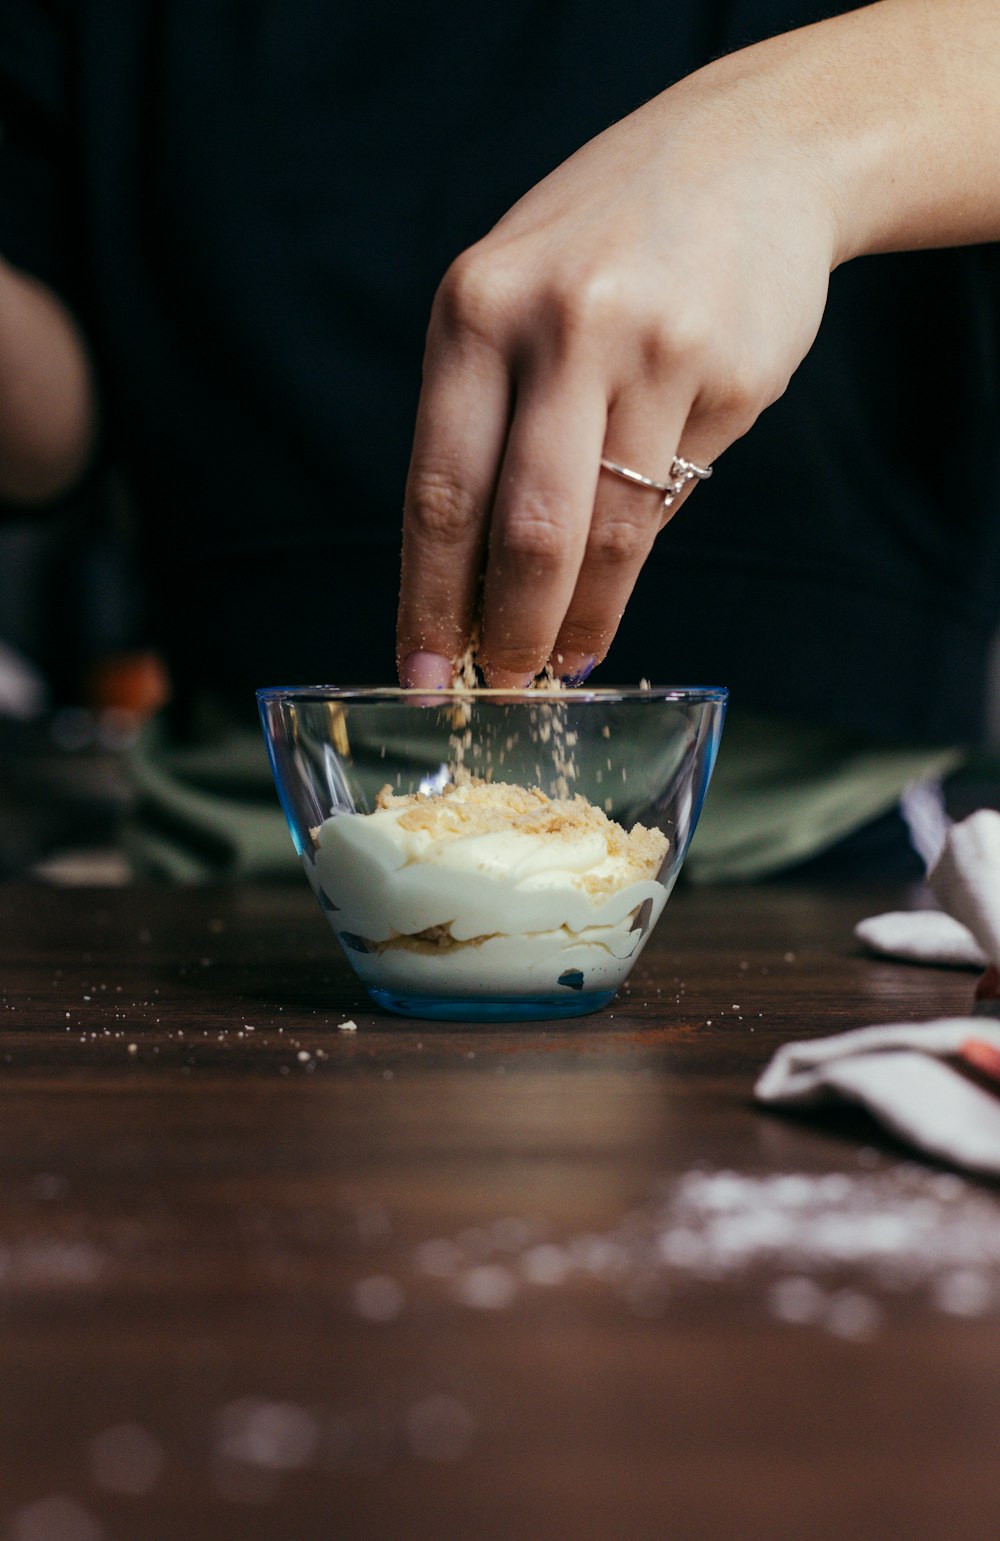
627	517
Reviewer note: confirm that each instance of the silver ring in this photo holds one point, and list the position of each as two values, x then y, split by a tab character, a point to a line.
681	472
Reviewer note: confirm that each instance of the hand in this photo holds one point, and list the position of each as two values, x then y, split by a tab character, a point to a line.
48	400
651	297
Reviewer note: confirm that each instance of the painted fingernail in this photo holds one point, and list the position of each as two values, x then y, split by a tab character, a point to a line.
575	670
426	671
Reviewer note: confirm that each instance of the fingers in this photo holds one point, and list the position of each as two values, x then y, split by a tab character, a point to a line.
505	475
540	521
643	433
458	441
563	540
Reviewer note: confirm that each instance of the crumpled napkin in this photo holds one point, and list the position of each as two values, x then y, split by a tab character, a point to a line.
921	936
966	882
911	1077
935	1084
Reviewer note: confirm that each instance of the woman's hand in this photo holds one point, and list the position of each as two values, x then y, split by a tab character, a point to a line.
651	297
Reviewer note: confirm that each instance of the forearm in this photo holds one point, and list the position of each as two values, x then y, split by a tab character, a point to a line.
47	398
894	107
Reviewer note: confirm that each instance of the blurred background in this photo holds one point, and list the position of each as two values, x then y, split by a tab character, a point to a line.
77	680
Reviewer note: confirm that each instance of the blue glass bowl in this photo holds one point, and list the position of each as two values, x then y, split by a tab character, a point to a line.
497	928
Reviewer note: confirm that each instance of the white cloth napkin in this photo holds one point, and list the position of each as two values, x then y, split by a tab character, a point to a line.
966	878
966	881
921	936
909	1077
935	1084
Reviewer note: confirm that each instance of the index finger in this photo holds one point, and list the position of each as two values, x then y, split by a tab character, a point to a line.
541	519
458	441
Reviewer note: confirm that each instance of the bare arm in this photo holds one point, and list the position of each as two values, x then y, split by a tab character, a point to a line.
898	106
47	399
654	295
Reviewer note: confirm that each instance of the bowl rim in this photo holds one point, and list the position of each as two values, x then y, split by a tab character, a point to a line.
687	694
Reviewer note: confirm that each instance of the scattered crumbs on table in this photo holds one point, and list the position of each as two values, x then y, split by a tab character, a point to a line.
49	1262
439	1428
511	1232
255	1442
845	1313
55	1518
440	1257
347	1027
378	1299
279	1436
827	1251
546	1264
126	1458
486	1287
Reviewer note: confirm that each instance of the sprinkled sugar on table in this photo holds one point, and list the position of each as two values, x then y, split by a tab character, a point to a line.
272	1264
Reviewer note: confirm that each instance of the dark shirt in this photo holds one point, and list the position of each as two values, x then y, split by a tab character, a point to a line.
249	206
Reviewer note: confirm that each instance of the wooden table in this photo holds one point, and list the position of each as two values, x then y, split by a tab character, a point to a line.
260	1277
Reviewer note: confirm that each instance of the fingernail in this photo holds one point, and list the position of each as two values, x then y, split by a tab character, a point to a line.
502	679
576	670
426	671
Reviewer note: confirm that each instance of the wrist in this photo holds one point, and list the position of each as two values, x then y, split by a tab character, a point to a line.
740	114
888	114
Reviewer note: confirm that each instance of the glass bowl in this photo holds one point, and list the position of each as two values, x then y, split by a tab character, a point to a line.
487	901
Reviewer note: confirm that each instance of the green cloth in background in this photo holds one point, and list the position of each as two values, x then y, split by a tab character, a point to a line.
207	810
783	792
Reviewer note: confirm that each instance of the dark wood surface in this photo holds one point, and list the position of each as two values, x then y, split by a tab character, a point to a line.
216	1288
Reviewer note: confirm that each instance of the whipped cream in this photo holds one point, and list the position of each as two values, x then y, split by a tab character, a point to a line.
488	888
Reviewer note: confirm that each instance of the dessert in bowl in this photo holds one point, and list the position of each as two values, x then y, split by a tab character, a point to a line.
492	855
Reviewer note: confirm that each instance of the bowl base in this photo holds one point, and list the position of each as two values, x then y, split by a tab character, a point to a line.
493	1008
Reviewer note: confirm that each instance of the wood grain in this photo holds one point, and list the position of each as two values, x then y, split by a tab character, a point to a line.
213	1204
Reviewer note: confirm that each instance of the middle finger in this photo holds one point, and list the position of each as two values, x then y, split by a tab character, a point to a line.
540	524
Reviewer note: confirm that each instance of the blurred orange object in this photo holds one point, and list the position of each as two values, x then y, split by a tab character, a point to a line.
135	682
983	1057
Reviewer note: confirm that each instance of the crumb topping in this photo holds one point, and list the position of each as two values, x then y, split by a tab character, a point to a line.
481	808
